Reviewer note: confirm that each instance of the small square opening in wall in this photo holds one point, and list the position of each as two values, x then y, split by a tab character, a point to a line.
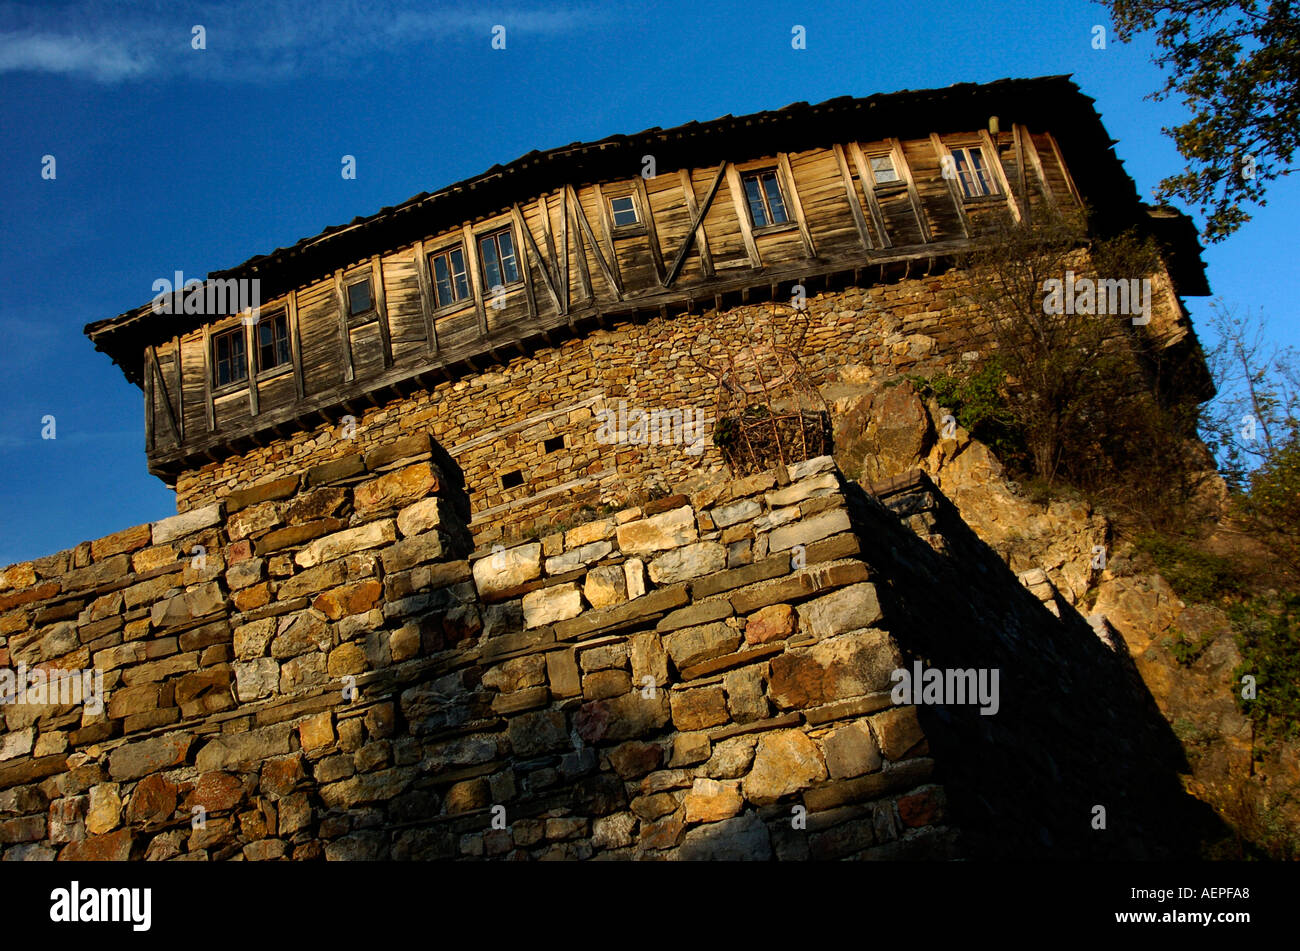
554	444
512	479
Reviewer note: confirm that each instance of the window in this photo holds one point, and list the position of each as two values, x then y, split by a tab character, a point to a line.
450	280
766	206
554	444
974	176
229	361
882	169
623	209
359	298
272	342
497	250
512	479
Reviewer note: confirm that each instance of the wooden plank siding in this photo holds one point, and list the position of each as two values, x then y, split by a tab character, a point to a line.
694	238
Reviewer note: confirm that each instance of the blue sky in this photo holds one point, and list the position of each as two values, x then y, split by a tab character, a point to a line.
172	159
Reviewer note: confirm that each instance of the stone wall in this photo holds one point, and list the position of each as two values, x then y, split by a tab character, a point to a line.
319	666
497	423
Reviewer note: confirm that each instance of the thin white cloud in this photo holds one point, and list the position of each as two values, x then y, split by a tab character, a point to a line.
251	40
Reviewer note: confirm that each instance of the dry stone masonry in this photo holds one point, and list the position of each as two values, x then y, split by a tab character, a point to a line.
320	667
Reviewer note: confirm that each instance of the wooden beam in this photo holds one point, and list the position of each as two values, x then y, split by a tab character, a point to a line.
148	402
702	236
787	170
155	369
571	227
1022	186
652	234
697	221
995	157
742	215
607	227
295	344
250	361
207	379
381	307
530	247
868	183
1065	171
851	193
426	298
564	249
584	227
471	262
954	190
1036	161
180	387
345	332
900	161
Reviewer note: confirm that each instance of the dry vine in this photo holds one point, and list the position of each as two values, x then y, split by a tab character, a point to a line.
768	410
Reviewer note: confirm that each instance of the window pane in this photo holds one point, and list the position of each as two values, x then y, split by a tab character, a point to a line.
757	210
774	201
509	266
458	274
359	297
231	362
983	174
624	211
491	262
882	167
441	281
963	172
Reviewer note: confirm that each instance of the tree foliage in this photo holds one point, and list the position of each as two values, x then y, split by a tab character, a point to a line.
1235	64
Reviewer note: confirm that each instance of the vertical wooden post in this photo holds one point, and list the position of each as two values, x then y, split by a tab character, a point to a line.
345	330
954	191
381	307
796	206
207	379
868	182
742	213
295	344
652	234
855	206
472	264
425	280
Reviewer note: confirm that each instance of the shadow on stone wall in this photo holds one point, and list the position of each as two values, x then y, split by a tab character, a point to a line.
1075	729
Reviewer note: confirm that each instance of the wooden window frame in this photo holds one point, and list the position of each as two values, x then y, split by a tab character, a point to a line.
266	373
372	312
479	237
899	183
783	186
442	310
215	335
622	231
989	173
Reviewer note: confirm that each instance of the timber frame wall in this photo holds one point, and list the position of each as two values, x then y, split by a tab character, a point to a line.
694	242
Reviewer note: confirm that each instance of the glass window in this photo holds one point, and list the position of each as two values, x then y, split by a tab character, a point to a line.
359	298
882	169
624	211
499	264
272	342
450	281
229	361
763	192
973	174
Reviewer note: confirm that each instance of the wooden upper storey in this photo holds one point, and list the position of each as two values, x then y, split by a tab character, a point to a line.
447	282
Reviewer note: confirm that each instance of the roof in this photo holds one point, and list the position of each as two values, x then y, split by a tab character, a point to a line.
1050	101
